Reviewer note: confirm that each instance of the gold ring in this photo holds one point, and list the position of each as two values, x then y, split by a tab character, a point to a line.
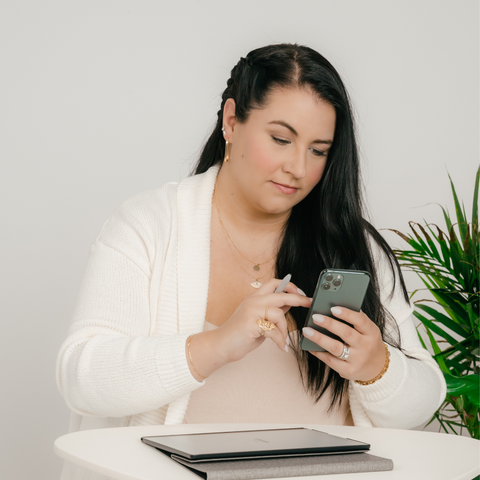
265	325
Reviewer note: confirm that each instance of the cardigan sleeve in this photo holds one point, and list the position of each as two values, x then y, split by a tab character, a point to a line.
413	387
110	365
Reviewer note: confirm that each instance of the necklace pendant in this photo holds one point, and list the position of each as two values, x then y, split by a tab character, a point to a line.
256	284
256	267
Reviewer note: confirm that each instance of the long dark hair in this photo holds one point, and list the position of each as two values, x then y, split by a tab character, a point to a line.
327	228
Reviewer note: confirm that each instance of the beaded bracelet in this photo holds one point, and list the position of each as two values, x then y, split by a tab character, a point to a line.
382	373
190	357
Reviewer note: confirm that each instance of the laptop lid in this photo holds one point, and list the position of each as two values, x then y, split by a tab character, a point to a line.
254	443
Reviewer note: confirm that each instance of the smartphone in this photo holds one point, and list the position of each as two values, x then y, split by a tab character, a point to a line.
335	288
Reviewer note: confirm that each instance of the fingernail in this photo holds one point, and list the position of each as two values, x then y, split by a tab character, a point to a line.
301	292
336	310
288	340
317	318
307	331
286	348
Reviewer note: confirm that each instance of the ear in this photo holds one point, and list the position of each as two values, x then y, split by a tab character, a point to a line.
229	119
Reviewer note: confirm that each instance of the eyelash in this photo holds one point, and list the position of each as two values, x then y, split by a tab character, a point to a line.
317	153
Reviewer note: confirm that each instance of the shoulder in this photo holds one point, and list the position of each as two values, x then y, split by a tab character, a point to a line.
154	206
149	218
142	214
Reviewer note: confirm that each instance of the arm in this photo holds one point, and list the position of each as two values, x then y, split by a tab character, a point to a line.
409	392
411	389
110	365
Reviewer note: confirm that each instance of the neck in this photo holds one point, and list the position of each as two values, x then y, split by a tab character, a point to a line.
249	227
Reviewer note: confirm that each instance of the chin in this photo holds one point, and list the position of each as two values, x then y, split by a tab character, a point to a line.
278	208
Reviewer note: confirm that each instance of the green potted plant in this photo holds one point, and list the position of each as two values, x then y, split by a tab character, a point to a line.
447	261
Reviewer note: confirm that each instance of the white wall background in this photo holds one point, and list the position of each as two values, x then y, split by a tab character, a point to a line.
102	99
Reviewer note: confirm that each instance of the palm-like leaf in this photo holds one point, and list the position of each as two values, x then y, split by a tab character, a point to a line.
448	263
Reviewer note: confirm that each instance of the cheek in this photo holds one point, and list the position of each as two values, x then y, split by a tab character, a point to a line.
315	173
260	155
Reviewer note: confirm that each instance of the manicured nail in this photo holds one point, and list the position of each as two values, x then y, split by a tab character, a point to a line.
288	340
336	310
308	332
286	348
301	292
317	318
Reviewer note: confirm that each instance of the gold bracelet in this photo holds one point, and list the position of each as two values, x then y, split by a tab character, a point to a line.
382	373
190	357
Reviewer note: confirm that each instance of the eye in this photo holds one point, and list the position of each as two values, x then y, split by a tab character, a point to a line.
281	141
318	153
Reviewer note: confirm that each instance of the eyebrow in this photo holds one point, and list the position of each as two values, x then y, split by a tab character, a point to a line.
286	125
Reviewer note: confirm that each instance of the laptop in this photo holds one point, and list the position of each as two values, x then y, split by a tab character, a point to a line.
286	442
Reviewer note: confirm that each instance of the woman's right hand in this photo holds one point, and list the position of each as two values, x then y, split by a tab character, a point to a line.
241	334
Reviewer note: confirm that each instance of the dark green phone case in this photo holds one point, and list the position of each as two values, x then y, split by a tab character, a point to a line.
349	294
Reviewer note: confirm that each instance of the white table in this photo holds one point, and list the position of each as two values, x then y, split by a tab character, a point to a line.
120	454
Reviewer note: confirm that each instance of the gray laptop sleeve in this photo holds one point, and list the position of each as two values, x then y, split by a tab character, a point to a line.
288	467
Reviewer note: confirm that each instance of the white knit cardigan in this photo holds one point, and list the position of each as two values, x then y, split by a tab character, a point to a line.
144	291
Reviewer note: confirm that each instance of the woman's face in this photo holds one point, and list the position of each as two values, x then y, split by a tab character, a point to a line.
279	153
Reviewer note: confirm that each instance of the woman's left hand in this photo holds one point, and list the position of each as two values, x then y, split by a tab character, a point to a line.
367	352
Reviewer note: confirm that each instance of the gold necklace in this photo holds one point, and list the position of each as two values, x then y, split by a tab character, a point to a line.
256	283
256	266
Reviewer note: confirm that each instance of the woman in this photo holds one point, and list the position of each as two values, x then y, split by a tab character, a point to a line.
177	319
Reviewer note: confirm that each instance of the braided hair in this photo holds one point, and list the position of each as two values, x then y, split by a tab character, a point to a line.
326	229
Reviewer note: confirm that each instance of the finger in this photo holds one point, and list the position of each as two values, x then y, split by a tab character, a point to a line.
287	299
285	310
331	345
340	366
279	334
292	288
275	315
348	334
359	320
269	287
278	338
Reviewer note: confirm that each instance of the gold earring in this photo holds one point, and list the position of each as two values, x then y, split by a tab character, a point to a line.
226	157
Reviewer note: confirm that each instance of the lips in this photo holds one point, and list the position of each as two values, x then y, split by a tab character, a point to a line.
286	189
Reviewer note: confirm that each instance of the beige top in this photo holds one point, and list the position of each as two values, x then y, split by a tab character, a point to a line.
264	387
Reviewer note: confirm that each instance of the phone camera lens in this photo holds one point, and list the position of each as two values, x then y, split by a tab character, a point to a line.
326	286
329	278
337	283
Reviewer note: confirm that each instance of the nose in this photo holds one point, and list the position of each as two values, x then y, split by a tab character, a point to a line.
296	164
